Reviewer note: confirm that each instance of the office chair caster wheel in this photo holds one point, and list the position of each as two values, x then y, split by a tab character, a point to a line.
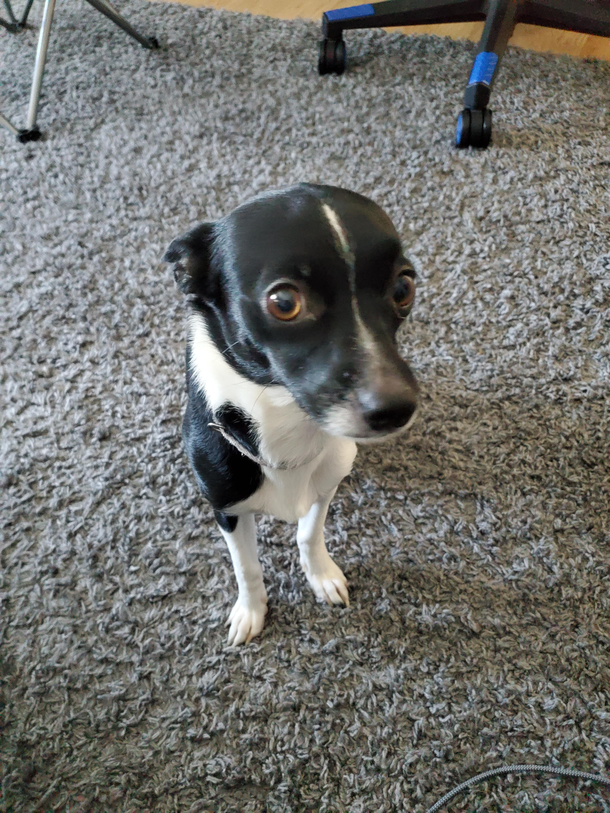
332	57
473	128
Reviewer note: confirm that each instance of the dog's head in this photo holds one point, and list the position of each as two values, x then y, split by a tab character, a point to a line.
306	287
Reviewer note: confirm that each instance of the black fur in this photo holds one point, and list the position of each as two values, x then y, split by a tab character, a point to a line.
191	257
237	424
225	476
228	522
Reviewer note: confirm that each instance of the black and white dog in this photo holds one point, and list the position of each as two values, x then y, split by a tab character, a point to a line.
295	301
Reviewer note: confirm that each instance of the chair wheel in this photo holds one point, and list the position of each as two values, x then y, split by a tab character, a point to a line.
473	128
332	57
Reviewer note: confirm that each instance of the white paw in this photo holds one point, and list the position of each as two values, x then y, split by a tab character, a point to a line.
327	581
246	620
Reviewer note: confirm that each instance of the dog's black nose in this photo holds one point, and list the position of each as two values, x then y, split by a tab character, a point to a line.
385	412
389	418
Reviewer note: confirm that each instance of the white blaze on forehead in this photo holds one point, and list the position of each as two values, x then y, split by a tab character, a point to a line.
365	337
340	233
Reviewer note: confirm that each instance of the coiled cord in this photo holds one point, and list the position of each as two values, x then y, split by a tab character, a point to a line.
507	769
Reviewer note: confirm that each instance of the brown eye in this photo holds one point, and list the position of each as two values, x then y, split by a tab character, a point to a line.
404	292
285	303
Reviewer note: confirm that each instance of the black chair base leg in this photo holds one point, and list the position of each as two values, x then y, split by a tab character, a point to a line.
571	15
474	122
474	127
388	12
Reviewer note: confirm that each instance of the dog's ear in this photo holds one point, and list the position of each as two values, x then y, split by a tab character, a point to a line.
191	255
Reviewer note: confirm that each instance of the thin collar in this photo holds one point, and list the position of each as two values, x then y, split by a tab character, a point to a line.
218	427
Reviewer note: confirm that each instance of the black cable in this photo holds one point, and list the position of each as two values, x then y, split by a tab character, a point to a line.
506	769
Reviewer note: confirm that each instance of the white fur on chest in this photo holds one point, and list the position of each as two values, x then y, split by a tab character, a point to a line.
288	494
314	462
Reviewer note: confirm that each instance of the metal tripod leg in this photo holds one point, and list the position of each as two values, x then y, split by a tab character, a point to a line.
112	14
14	25
31	132
9	11
6	123
26	11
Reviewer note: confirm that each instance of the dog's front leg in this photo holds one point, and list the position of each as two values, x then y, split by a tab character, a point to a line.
326	578
248	614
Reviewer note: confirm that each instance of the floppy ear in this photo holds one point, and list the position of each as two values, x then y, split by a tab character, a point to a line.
191	257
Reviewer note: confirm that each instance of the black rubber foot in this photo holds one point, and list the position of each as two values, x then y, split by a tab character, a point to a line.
473	128
29	135
332	57
154	42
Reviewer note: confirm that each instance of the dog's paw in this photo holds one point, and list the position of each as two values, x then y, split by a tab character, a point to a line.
246	620
327	581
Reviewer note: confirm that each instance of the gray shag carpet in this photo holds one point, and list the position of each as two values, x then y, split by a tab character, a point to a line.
477	548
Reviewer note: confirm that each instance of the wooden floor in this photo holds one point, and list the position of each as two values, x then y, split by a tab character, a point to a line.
526	36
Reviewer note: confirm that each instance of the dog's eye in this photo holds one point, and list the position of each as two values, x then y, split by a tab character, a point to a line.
285	303
404	292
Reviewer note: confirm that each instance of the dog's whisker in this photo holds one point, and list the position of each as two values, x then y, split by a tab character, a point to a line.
226	350
266	387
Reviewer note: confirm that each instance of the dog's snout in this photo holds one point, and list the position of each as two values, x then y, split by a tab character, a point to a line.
389	418
388	411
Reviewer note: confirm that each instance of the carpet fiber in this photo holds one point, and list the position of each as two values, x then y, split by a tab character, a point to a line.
477	548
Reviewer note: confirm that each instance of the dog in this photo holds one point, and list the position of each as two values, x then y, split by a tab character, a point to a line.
294	302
